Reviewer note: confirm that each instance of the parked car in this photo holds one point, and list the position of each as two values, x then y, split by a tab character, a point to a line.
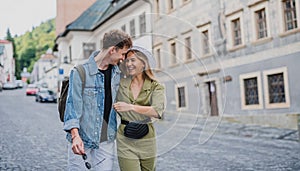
45	95
9	86
31	89
19	83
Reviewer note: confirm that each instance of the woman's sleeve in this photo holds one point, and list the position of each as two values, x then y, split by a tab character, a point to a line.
158	99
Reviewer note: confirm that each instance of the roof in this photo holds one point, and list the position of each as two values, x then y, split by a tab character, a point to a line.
88	18
4	42
47	57
96	15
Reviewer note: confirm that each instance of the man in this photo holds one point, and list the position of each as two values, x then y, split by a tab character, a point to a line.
90	121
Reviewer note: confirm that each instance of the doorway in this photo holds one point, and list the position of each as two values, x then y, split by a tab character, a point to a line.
213	98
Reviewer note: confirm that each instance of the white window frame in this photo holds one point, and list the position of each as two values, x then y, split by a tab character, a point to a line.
142	24
185	96
201	29
283	32
132	28
186	35
158	61
169	5
157	8
259	89
254	8
286	88
229	18
171	54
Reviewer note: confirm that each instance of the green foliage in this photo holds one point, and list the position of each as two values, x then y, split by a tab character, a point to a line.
31	45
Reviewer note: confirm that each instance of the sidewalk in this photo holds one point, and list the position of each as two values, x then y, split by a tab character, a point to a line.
218	125
247	130
257	131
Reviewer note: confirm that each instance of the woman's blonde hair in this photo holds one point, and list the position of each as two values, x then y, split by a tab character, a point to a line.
141	56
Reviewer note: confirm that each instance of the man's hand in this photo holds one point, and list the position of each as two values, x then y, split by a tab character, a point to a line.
77	144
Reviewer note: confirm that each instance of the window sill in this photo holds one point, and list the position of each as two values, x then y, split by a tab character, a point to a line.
206	55
189	60
174	65
184	3
262	41
235	48
277	105
252	107
289	32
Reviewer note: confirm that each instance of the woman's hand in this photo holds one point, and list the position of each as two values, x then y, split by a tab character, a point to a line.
122	107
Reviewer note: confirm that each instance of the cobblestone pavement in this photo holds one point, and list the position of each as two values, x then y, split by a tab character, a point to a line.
31	138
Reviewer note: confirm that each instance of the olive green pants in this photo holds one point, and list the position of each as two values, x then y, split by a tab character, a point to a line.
147	164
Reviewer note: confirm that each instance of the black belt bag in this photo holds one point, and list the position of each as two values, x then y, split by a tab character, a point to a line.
135	130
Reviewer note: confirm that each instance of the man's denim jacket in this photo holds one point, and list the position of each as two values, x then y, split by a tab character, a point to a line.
85	111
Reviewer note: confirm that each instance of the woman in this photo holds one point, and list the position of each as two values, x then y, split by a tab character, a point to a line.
140	99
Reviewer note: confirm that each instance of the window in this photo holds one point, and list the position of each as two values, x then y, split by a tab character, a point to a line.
181	97
88	49
142	18
290	16
261	24
251	91
158	58
205	42
236	32
157	7
132	28
204	37
188	47
173	53
171	5
123	28
276	88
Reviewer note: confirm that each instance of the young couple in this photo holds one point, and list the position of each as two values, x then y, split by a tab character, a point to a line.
90	116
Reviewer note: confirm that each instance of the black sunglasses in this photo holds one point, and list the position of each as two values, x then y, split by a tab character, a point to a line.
87	164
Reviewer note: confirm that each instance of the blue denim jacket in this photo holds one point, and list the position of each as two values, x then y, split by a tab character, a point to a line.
85	111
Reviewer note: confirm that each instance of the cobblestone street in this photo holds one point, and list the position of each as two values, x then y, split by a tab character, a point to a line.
32	139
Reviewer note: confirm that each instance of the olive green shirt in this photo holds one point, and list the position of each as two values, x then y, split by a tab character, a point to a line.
151	94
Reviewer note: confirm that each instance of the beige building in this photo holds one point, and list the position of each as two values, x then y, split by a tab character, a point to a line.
68	10
7	62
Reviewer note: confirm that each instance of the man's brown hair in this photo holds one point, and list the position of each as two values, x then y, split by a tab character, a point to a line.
116	38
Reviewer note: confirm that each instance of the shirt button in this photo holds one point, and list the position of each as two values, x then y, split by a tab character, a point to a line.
97	119
95	133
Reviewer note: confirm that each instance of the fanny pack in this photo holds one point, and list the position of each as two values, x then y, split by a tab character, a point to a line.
135	130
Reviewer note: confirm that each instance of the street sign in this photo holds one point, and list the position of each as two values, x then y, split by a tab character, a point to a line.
61	71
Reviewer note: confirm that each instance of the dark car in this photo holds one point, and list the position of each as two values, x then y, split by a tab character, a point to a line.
45	95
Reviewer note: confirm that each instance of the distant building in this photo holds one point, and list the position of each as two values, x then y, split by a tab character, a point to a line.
7	62
68	10
45	71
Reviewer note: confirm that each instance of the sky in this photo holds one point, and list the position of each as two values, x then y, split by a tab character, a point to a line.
21	15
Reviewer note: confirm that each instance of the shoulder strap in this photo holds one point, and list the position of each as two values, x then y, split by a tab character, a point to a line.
81	72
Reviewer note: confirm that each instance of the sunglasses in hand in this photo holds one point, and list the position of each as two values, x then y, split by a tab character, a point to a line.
87	164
